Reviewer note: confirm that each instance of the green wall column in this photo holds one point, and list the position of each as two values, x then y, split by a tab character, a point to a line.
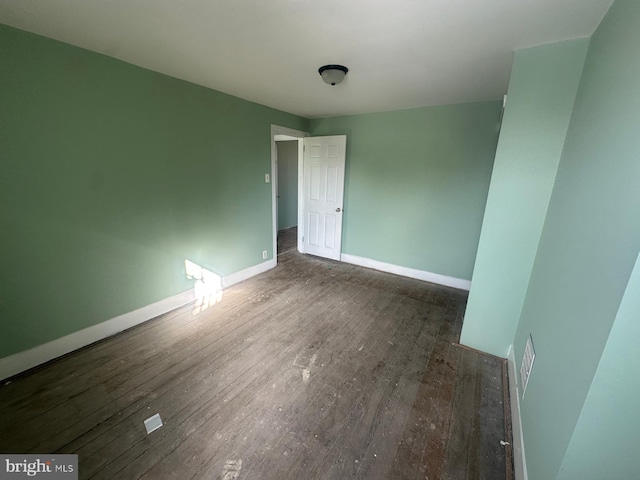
589	245
542	88
605	441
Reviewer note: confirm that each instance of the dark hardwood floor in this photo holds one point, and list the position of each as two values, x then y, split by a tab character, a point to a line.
315	369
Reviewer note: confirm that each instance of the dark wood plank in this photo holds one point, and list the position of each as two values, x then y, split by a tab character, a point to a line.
315	369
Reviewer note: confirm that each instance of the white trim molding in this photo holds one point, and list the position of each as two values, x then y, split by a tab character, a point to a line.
247	273
519	459
22	361
407	272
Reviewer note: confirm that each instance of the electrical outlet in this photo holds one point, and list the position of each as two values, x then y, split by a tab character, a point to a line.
264	254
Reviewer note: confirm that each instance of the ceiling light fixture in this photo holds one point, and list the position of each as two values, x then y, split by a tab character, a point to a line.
333	74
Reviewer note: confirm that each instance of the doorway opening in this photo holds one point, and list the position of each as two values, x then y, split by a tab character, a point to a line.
287	194
286	175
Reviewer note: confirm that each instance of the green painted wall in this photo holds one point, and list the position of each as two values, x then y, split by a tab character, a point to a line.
588	248
542	89
112	176
605	441
287	184
416	184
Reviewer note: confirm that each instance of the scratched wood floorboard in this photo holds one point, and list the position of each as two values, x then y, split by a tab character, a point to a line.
315	369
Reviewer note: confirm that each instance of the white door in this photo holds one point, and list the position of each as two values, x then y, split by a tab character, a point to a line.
323	176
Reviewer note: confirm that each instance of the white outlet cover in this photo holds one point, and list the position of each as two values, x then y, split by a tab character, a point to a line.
153	423
267	178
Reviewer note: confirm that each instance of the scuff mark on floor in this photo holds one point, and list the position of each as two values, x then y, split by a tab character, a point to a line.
231	469
306	366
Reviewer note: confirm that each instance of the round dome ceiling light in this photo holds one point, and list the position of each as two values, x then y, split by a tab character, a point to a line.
333	74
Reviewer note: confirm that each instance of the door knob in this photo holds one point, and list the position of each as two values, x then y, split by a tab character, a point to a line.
338	209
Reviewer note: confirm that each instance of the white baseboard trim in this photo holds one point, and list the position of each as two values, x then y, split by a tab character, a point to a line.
238	277
407	272
519	460
21	361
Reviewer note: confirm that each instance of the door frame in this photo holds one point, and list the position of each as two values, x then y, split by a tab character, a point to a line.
277	130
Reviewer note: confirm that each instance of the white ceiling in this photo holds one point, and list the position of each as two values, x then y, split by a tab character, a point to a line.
400	53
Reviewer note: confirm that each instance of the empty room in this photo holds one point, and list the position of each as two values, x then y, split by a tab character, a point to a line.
324	240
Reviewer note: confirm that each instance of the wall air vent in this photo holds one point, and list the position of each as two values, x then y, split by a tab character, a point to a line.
527	364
